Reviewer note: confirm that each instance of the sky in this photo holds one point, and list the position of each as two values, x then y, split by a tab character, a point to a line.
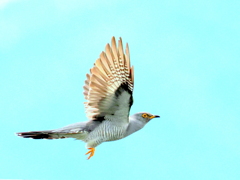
186	59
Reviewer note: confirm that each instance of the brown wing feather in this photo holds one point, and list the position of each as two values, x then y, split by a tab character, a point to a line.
110	73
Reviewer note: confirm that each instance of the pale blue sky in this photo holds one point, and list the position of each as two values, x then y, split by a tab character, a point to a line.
187	68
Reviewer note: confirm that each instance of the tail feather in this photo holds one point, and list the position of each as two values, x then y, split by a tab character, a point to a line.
77	130
40	135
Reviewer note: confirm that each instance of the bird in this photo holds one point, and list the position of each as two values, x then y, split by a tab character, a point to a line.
108	91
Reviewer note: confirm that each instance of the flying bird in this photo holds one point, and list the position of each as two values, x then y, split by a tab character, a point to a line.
108	92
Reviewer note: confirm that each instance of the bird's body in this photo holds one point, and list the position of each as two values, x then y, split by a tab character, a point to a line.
108	91
106	131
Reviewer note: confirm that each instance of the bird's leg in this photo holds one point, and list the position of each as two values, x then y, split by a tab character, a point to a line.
91	152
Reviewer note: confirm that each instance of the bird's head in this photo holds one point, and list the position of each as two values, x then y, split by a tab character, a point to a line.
145	117
138	121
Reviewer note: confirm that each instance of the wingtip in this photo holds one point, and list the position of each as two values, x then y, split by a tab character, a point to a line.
113	39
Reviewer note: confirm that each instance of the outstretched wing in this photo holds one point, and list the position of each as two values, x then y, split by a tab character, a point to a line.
109	86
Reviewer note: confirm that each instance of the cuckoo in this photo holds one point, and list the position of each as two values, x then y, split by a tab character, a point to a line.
108	91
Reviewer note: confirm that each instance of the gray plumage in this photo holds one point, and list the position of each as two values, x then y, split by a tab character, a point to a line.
108	91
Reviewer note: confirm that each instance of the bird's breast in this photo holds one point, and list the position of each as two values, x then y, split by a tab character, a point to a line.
107	131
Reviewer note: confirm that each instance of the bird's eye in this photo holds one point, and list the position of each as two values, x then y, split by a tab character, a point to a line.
144	115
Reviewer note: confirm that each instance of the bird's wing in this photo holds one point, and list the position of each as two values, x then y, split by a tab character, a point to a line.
109	86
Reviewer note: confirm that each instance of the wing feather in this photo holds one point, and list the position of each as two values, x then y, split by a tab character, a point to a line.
108	88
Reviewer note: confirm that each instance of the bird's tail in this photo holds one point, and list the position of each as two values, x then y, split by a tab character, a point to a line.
43	135
76	130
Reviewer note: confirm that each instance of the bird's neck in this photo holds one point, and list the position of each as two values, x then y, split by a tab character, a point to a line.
134	125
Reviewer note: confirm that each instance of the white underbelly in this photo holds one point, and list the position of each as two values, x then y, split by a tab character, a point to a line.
107	131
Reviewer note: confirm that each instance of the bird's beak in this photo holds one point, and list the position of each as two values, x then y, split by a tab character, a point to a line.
154	116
